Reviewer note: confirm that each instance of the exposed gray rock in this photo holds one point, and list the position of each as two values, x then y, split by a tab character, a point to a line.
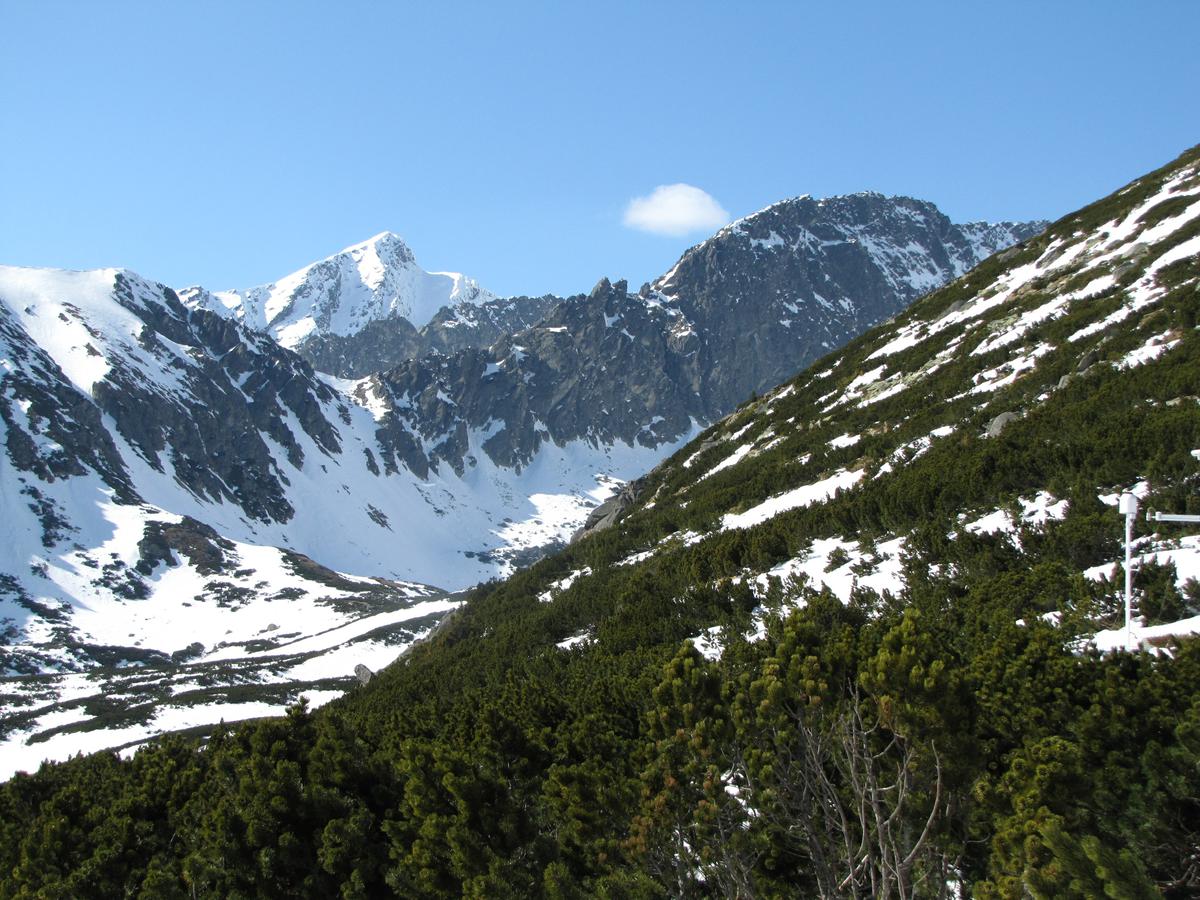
610	511
59	433
199	543
954	307
385	343
191	651
363	674
999	422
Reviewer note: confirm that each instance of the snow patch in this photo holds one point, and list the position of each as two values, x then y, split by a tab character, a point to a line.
805	495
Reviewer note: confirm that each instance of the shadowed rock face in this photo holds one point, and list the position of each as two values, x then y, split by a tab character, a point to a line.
610	511
777	290
236	387
60	433
382	344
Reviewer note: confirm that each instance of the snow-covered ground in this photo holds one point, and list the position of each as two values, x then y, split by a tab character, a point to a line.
313	654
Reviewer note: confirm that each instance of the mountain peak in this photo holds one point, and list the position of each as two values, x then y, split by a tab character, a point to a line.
908	242
387	245
372	280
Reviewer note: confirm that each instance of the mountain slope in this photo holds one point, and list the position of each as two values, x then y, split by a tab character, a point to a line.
177	483
171	480
844	643
894	568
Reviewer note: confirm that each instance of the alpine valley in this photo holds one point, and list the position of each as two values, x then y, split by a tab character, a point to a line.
861	637
213	502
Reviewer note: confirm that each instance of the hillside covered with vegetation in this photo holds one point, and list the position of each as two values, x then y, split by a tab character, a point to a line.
847	643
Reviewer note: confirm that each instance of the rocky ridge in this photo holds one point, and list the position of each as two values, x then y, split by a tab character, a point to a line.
735	316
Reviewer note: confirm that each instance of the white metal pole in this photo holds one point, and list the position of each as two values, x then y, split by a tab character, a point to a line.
1170	517
1129	581
1129	506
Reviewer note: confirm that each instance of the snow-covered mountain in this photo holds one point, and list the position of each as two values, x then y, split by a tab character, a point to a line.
188	505
803	274
375	280
179	489
890	584
737	314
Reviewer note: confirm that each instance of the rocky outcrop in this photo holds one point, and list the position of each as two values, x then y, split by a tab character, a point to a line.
610	511
999	422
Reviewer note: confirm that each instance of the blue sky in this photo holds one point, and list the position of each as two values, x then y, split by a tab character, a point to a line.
230	143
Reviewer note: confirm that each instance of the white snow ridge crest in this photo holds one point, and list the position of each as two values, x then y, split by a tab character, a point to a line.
376	279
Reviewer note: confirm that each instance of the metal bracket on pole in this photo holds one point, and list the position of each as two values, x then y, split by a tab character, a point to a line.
1152	516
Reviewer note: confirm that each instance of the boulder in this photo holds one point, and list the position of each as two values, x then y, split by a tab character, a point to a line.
997	424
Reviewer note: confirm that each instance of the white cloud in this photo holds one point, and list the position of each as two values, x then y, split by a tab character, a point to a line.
675	210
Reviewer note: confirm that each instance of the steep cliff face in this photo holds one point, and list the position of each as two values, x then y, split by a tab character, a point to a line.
384	343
